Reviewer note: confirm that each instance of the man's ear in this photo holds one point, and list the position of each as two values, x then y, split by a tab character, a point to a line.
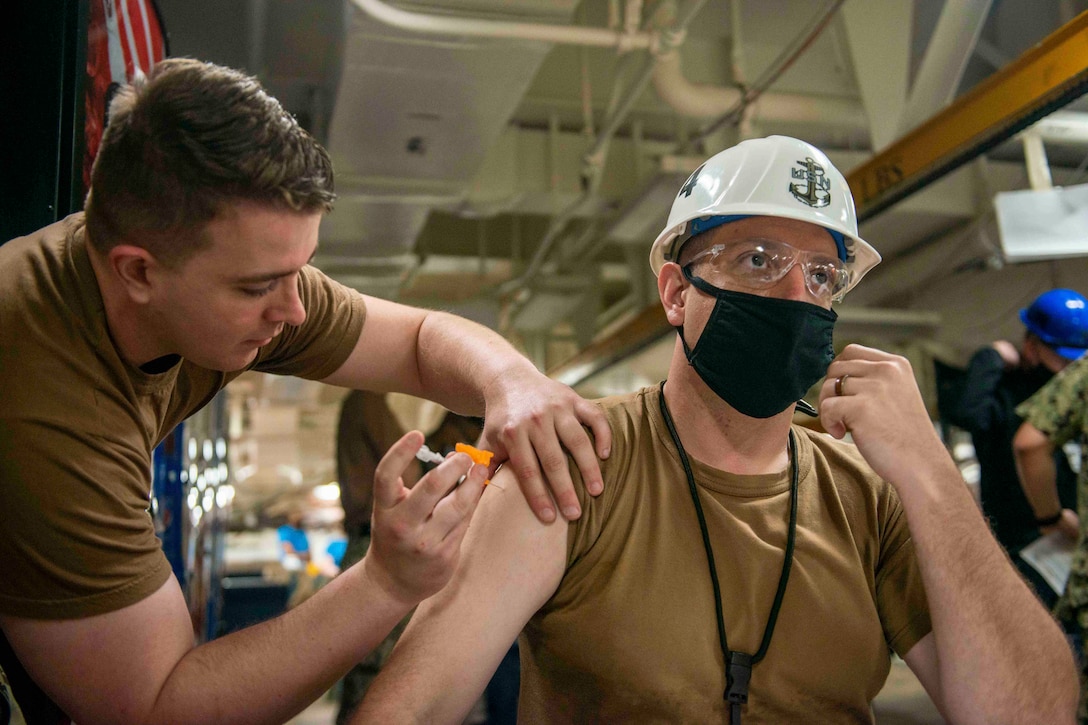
1030	351
670	288
1050	359
132	266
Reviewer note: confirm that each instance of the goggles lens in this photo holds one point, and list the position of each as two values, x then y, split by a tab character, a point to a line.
759	264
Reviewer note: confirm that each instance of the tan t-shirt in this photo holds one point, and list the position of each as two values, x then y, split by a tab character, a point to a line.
631	634
78	426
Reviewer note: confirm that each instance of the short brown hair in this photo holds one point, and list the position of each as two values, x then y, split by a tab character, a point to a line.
184	141
695	246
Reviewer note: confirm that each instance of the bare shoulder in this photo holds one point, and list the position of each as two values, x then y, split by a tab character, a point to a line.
504	528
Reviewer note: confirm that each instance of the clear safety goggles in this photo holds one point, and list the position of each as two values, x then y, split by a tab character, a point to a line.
759	264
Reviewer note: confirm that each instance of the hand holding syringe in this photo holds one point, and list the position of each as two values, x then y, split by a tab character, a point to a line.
479	457
416	532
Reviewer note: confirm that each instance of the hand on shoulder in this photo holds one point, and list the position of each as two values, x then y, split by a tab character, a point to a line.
533	423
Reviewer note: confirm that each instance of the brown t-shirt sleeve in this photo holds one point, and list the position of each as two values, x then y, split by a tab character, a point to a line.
900	593
584	531
319	346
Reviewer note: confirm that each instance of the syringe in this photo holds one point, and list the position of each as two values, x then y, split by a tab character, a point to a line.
426	455
478	456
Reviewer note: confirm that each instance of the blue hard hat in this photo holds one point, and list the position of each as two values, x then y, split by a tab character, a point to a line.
1060	319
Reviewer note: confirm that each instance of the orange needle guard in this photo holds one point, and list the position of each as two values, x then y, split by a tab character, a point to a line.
478	456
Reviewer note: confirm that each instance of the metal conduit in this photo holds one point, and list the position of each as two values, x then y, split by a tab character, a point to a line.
785	59
670	40
591	178
595	157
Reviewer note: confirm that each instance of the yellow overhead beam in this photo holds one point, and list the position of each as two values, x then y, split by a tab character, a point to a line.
1041	80
645	328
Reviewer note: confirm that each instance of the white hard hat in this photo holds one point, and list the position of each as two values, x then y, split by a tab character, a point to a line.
775	176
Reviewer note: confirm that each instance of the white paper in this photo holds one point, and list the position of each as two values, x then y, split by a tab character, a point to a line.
1051	556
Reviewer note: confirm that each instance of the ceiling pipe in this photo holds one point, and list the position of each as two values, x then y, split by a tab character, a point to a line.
622	40
593	159
670	41
1035	159
700	100
1063	127
632	16
736	60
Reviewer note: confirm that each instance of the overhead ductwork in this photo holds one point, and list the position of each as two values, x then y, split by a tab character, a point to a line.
415	117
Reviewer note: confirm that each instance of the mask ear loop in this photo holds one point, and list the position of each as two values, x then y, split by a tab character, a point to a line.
692	280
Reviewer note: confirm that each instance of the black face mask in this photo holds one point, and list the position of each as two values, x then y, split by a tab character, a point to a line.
760	354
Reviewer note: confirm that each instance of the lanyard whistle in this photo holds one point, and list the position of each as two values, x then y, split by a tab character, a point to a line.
738	673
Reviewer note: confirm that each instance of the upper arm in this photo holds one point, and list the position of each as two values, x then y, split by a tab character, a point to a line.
385	354
1057	409
335	317
109	667
1029	438
511	565
922	660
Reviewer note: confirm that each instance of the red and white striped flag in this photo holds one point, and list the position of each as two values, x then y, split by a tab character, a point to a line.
123	37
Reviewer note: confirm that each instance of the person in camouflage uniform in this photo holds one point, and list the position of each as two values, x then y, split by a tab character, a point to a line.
1055	415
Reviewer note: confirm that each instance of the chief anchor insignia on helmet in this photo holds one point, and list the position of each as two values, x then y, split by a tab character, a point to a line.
817	189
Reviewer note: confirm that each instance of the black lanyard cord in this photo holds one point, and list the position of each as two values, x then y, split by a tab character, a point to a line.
738	664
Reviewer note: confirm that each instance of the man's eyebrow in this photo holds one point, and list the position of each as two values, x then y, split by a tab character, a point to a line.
266	277
269	276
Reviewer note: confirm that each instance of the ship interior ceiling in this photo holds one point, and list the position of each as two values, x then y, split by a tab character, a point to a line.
493	161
